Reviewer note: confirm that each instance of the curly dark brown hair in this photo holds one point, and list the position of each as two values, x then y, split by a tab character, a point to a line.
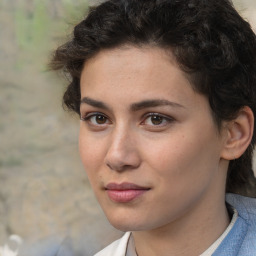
211	43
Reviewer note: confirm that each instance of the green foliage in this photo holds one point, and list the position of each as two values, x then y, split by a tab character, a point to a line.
32	27
39	24
74	10
10	161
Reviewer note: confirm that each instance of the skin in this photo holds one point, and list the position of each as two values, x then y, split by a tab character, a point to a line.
181	156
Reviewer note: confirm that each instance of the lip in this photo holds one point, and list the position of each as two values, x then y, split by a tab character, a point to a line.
125	192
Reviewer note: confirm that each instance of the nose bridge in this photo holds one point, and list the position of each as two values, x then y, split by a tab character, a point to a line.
120	137
122	152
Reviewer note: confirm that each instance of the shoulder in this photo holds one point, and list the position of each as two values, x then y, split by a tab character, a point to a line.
245	227
245	206
117	248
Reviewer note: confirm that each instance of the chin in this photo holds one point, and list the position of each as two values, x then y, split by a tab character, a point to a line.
126	217
126	222
124	227
121	222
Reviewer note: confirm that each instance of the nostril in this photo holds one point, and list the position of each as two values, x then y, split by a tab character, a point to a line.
122	166
117	166
109	166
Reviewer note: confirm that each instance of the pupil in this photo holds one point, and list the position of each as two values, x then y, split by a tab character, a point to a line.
156	120
100	119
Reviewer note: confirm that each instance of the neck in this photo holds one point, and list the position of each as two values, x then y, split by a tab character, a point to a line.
190	235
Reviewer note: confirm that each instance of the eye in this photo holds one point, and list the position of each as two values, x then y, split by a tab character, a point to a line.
96	119
155	119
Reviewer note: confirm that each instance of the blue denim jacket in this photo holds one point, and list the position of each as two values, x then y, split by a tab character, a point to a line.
241	240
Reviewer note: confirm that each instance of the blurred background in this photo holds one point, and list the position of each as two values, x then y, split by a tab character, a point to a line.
45	197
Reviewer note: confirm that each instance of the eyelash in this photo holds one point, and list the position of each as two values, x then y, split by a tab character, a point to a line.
166	119
87	118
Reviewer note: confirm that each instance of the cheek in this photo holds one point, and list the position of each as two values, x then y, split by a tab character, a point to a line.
169	153
184	157
91	154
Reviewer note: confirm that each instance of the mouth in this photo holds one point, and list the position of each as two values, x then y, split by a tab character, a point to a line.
124	192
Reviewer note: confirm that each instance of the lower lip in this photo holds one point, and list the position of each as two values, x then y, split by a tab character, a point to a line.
125	196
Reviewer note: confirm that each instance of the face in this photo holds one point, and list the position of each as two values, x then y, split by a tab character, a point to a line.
148	141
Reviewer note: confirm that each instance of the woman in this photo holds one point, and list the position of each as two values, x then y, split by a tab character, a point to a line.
166	95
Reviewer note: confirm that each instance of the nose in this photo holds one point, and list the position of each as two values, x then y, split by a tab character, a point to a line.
122	153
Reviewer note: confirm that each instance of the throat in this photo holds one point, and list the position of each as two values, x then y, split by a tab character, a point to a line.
191	239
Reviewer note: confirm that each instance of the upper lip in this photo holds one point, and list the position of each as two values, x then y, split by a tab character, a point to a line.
125	186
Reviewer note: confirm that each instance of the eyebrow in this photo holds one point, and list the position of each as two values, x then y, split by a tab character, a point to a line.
135	106
154	103
94	103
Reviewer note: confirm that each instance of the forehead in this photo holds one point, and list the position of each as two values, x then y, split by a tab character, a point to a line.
144	69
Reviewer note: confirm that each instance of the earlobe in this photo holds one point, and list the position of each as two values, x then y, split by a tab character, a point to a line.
238	134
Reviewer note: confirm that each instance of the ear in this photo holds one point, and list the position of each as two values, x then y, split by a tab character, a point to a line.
238	134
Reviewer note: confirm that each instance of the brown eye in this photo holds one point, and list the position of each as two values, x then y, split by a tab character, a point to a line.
156	120
99	119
